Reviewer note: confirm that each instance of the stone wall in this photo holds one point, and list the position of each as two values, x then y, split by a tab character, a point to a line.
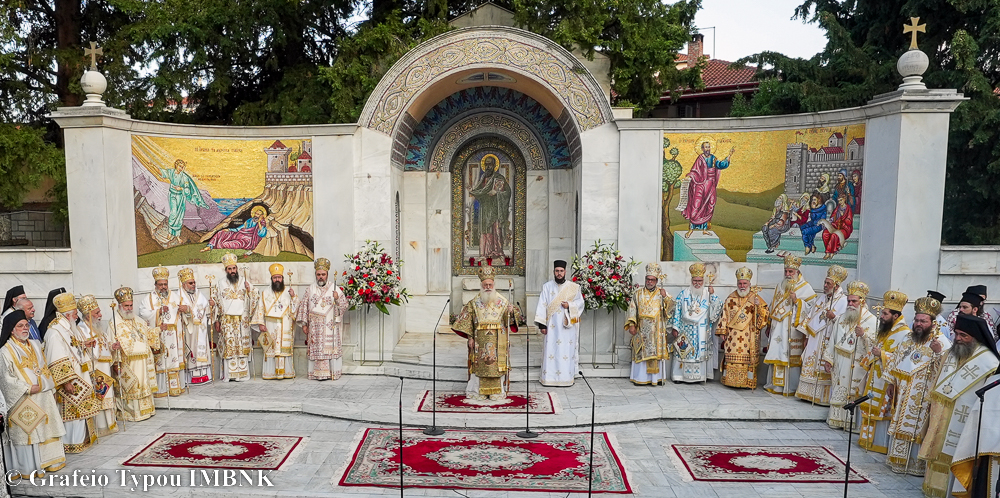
32	228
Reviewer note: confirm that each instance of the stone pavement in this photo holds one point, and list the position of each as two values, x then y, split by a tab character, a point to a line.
313	470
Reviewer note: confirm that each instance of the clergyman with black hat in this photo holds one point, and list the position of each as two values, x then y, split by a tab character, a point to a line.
14	294
909	375
34	426
557	315
974	303
972	359
942	320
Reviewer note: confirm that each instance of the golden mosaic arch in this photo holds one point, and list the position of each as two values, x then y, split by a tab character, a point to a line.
516	50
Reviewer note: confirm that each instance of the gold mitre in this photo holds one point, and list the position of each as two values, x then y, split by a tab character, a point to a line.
697	270
486	273
837	273
123	294
229	259
927	306
894	300
64	302
86	303
792	261
322	264
160	273
276	269
185	274
744	274
653	270
857	288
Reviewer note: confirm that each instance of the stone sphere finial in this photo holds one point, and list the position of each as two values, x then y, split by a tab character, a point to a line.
93	82
914	62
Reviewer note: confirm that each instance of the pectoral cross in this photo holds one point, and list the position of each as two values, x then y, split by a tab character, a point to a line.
913	29
93	52
969	372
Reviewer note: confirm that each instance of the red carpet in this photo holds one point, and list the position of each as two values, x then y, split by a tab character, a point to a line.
224	451
499	461
456	402
763	463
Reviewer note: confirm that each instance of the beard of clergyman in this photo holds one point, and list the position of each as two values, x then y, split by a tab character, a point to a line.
884	327
560	281
851	315
489	297
787	284
233	278
963	350
320	282
920	334
128	315
742	293
163	293
278	286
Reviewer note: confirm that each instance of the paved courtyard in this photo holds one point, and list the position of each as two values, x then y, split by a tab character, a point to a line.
330	439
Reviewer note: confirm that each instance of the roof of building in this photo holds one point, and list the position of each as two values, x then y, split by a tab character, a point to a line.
277	145
838	134
719	79
305	155
858	140
832	150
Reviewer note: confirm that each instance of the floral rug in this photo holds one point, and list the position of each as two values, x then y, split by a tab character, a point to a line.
763	463
456	402
228	451
490	460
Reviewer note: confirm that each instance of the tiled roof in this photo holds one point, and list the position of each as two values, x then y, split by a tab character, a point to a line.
718	73
305	155
277	145
832	150
859	140
838	135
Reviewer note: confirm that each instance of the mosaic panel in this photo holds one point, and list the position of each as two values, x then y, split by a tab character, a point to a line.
517	50
759	195
489	123
438	120
488	189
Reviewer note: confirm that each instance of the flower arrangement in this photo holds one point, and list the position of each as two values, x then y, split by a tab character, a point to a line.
372	279
605	277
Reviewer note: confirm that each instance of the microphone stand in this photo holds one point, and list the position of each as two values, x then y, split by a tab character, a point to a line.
400	436
850	435
979	434
434	430
593	408
527	433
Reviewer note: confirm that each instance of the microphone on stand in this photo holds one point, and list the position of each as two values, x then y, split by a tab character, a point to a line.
982	390
527	433
593	407
850	407
434	430
854	404
400	436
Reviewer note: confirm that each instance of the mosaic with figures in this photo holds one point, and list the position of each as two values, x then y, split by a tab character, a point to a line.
488	207
756	196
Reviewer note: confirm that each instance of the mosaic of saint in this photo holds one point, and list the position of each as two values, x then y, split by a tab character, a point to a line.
489	215
197	199
756	196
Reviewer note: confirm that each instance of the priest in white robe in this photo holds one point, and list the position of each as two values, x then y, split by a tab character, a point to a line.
102	357
276	323
68	357
557	315
854	333
696	313
160	311
193	310
791	304
972	359
649	320
33	424
910	376
873	434
814	381
321	314
134	366
235	303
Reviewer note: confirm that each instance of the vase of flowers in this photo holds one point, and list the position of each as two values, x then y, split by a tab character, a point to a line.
372	279
605	277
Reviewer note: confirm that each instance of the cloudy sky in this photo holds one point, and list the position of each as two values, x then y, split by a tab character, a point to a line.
745	27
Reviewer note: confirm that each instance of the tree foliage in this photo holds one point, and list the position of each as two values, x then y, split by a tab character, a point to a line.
640	37
865	40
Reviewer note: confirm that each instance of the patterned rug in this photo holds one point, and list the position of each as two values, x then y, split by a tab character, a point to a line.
226	451
763	463
456	402
500	461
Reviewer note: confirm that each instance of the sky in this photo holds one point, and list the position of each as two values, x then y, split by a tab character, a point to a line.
746	27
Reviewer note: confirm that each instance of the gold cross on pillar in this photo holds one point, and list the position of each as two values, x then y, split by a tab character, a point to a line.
913	28
93	52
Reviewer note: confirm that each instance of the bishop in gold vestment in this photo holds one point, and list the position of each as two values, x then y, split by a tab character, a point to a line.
876	412
649	319
744	316
486	320
133	367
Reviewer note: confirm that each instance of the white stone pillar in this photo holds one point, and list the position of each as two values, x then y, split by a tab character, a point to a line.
903	189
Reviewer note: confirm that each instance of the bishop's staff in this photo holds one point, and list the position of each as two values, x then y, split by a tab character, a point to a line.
118	378
246	276
213	321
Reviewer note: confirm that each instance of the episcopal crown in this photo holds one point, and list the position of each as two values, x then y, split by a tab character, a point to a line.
837	273
87	303
792	261
276	269
322	264
653	270
185	274
160	273
487	273
123	294
857	288
229	259
64	302
927	306
697	270
744	273
894	300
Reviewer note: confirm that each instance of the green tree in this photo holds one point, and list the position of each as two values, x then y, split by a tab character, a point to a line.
641	39
865	40
671	181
